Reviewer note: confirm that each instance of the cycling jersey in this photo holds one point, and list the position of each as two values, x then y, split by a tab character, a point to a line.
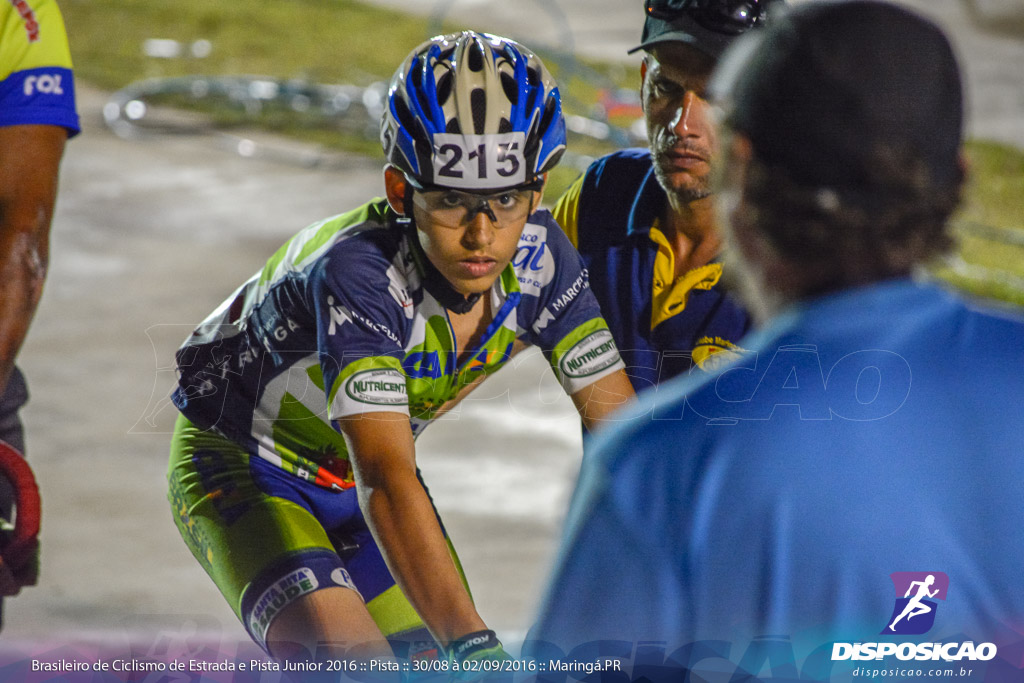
36	83
338	323
663	325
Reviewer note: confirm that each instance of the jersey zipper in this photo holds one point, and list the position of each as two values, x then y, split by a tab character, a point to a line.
510	303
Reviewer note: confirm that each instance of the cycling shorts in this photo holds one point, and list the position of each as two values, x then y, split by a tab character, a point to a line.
267	538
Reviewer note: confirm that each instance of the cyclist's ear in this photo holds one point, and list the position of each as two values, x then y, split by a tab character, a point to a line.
395	185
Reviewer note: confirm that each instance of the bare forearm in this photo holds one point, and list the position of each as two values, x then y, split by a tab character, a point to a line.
406	528
404	523
23	260
29	162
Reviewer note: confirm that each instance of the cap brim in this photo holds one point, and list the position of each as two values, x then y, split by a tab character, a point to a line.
683	29
709	47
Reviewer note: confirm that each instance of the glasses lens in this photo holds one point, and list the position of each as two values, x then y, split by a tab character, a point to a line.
454	209
723	16
732	16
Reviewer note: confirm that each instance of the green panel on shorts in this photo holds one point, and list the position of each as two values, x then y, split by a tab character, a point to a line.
228	523
392	611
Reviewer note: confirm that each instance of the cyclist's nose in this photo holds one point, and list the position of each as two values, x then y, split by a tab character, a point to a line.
480	229
484	207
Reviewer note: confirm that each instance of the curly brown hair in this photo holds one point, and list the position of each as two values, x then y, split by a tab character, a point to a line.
838	238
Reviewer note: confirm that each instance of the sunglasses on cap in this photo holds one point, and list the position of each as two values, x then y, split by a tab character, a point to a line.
723	16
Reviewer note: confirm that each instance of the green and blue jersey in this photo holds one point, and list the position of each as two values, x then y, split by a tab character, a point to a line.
338	323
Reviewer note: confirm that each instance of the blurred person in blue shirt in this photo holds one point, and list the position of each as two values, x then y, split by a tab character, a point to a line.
778	514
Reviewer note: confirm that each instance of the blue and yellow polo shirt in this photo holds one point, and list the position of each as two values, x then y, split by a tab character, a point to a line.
662	325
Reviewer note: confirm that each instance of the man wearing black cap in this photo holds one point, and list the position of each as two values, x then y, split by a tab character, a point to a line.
865	454
643	219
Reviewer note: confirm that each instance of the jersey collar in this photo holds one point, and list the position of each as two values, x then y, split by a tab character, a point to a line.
433	281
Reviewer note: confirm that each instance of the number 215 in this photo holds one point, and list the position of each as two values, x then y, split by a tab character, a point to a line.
507	160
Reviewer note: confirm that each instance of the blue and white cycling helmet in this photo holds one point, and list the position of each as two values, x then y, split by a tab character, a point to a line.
473	111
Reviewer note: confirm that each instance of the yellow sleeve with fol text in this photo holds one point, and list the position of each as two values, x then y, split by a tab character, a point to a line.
31	36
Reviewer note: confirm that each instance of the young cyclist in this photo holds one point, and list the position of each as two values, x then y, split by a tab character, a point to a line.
293	474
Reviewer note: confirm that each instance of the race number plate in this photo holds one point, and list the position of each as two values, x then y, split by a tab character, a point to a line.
479	162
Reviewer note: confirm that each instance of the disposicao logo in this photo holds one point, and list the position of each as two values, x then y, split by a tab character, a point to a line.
914	615
914	612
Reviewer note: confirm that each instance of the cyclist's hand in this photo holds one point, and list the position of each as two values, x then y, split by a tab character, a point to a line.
26	574
477	656
8	585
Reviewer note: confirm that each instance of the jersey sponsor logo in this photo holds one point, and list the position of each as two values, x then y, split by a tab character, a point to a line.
533	263
279	332
339	315
285	591
543	320
559	304
380	387
590	355
47	84
437	364
31	23
487	358
478	162
570	294
428	364
343	578
914	614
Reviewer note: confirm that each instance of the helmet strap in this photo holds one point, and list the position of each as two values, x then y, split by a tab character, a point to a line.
433	281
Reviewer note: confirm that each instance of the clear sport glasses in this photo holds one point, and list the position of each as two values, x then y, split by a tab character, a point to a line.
454	209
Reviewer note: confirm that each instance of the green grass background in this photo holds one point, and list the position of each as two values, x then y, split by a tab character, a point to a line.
344	41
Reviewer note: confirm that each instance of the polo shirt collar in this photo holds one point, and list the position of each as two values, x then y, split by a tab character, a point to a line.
648	204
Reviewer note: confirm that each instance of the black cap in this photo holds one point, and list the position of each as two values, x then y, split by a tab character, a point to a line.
821	90
708	25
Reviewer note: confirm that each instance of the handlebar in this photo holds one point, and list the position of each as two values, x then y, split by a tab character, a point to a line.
18	548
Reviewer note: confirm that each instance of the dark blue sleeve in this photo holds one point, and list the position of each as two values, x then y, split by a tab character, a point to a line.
362	319
559	312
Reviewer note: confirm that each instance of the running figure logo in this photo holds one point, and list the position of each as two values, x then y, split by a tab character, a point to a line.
914	613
